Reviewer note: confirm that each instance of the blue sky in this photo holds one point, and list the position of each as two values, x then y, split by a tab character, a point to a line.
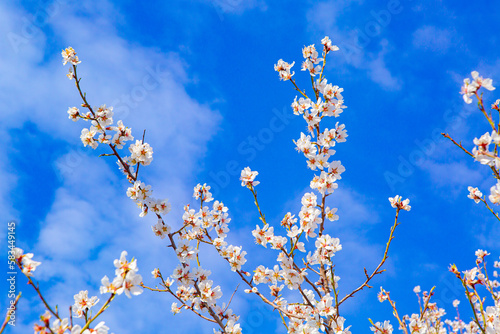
215	100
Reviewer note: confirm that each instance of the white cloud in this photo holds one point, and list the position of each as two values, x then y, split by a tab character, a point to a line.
432	39
487	233
8	180
453	176
113	70
236	6
379	72
91	221
324	15
341	21
354	209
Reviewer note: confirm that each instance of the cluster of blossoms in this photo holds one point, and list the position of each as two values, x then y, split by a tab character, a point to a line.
69	56
141	153
195	291
248	178
283	68
470	88
486	318
83	303
475	194
286	272
127	280
398	203
329	103
25	261
430	319
64	327
482	151
197	225
101	120
141	193
483	154
316	310
382	327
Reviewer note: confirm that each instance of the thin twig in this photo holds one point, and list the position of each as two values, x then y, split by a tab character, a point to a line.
230	299
458	144
104	307
384	258
489	208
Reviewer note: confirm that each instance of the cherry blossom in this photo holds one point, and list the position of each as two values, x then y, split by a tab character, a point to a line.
284	70
475	194
494	197
397	203
382	328
470	88
247	178
69	55
83	303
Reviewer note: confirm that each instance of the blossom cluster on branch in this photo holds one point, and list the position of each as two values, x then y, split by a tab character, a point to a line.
126	281
481	288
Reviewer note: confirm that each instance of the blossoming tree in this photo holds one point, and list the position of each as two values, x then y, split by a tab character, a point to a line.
304	249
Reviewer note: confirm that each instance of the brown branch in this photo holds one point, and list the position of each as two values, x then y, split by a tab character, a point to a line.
37	289
138	165
458	144
230	299
497	175
426	304
104	307
384	258
254	193
180	300
87	105
481	107
489	208
134	178
402	324
298	89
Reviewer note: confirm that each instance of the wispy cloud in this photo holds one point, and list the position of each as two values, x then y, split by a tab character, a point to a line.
91	221
379	72
433	39
237	7
357	38
453	176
